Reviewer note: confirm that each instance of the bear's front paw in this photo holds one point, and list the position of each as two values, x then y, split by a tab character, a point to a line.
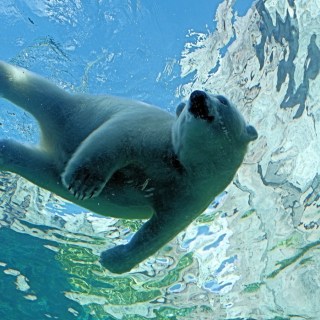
117	260
83	182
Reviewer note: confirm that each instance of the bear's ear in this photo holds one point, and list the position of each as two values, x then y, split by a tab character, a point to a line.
179	109
251	133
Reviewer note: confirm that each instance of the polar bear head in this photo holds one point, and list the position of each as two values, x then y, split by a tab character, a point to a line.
210	128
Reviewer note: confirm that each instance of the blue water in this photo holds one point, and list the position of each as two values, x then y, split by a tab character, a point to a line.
26	254
144	38
242	6
141	38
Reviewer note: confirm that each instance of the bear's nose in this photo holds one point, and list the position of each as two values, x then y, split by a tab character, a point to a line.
198	96
198	105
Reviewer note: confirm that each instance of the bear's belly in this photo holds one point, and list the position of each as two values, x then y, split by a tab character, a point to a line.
129	194
133	193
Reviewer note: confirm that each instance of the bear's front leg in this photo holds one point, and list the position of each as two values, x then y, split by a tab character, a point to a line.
153	235
95	161
85	179
118	259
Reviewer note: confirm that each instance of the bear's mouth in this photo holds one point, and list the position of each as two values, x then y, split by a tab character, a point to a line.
198	105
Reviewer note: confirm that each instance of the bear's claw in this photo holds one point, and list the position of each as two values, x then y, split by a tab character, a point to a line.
83	183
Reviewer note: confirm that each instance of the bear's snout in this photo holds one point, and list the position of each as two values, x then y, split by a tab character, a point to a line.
198	105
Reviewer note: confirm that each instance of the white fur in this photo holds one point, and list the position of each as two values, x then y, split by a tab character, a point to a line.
124	158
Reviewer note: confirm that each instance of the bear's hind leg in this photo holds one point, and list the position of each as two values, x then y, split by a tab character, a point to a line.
29	162
38	96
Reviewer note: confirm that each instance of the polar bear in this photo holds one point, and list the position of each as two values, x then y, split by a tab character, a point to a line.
127	159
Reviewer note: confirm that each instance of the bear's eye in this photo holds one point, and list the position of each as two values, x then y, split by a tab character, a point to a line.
223	100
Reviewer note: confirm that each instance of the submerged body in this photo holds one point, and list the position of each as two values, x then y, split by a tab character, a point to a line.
126	159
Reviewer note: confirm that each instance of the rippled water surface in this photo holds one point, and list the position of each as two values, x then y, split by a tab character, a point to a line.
253	254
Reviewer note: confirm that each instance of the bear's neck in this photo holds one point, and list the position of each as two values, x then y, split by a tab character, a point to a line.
205	162
212	173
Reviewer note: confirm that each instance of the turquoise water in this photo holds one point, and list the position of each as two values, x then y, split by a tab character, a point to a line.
26	254
253	253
